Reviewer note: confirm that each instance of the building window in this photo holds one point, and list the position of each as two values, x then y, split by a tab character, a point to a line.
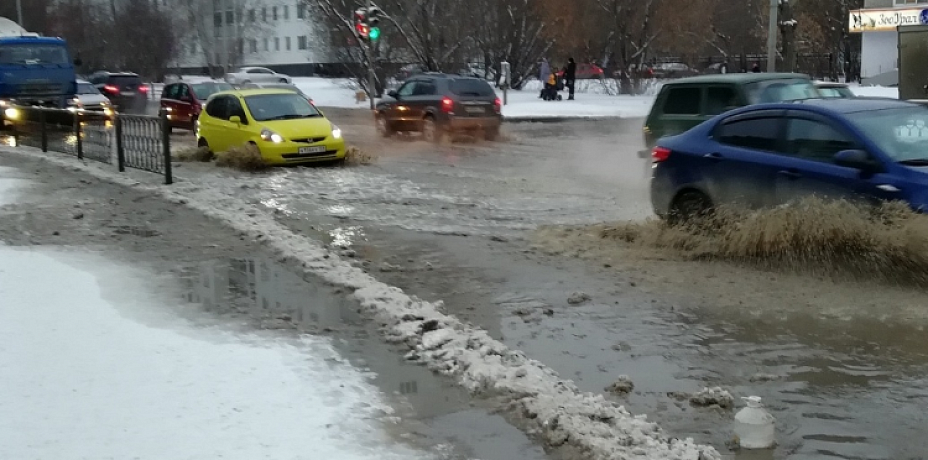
254	45
264	13
302	42
287	43
286	12
252	17
230	17
217	20
276	43
274	13
266	47
300	11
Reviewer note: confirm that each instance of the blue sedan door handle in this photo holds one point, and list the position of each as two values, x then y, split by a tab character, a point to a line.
790	173
713	156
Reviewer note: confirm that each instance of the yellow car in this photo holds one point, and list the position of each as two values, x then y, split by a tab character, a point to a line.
284	126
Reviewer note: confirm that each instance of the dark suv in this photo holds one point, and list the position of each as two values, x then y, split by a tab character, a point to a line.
125	90
435	104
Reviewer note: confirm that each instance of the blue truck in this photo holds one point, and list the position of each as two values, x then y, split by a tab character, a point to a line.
34	71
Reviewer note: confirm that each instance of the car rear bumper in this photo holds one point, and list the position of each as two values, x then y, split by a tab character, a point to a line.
286	153
662	191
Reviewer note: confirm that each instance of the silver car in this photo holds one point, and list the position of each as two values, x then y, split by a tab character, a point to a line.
89	98
255	75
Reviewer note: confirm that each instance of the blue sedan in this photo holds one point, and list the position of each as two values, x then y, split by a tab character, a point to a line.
868	149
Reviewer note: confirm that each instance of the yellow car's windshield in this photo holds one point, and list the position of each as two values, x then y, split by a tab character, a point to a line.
269	107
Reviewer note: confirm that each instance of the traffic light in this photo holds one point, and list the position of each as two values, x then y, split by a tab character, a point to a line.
360	23
373	21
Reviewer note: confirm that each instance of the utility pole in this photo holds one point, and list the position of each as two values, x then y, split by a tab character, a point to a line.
772	37
19	13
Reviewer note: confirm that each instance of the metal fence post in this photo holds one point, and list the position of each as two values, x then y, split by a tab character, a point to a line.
44	127
166	146
78	130
120	148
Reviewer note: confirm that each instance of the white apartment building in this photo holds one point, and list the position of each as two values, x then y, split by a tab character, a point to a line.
877	23
279	34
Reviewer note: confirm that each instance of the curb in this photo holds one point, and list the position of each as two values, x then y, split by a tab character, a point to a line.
538	401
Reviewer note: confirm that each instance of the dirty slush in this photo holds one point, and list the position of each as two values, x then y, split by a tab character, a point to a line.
554	410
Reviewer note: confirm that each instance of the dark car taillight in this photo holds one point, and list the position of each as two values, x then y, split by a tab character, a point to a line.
659	154
110	88
143	89
498	105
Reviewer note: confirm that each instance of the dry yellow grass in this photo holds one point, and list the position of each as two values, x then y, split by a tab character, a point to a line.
243	158
888	243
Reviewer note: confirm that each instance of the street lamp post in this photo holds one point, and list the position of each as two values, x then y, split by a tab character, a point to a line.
772	37
19	12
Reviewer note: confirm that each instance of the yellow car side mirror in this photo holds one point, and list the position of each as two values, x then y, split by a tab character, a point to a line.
236	119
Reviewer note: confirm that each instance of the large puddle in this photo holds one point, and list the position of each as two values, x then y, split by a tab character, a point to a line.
264	294
844	390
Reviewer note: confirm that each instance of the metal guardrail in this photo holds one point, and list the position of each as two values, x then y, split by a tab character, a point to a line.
128	141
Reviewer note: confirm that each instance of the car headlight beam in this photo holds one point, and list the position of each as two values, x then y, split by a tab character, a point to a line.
11	113
271	136
336	132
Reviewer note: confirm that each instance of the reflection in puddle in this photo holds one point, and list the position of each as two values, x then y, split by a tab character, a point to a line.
277	298
339	210
344	237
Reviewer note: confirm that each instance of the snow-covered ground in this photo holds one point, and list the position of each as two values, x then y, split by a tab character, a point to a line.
328	92
875	91
94	365
592	99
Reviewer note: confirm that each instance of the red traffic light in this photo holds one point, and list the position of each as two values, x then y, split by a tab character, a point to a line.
362	30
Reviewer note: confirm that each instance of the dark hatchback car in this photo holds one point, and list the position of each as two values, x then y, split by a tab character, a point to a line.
183	102
435	104
687	102
125	90
858	149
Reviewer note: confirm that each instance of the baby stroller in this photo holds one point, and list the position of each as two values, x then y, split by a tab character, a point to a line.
551	90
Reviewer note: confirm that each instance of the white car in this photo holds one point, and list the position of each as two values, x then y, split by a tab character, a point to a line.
89	98
255	75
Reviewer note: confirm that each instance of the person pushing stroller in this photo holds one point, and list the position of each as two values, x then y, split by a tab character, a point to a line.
553	84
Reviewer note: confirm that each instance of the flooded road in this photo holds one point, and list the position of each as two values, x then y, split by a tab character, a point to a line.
453	223
161	266
429	409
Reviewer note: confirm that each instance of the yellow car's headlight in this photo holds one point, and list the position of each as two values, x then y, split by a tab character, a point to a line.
336	132
271	136
11	113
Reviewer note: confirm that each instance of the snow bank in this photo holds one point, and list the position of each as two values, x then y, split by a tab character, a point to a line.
546	405
104	371
875	91
333	92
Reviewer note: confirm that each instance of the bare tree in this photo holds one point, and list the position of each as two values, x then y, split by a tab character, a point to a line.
222	35
146	38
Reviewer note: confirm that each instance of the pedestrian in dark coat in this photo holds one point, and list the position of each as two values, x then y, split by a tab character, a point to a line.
755	68
570	74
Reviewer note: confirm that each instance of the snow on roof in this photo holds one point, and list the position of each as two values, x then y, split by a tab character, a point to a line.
10	28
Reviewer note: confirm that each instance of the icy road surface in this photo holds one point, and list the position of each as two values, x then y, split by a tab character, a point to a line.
89	368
